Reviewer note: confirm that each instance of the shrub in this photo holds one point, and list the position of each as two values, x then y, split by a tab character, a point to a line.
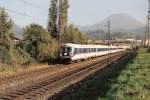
5	55
38	43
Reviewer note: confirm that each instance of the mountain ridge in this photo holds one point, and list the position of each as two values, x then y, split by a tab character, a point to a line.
121	22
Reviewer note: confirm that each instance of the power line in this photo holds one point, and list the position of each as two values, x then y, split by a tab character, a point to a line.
33	5
22	14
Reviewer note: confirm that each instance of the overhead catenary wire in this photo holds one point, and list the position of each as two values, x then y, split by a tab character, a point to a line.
33	5
22	14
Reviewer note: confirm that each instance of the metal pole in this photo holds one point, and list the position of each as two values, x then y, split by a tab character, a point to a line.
146	31
148	23
148	28
145	39
109	42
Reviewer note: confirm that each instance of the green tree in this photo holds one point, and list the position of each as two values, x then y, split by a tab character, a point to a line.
38	43
6	44
73	35
63	15
5	29
53	17
9	53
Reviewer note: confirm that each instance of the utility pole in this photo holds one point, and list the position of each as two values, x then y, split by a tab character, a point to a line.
148	31
145	38
109	36
109	42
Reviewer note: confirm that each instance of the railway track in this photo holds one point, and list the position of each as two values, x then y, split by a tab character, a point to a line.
27	79
22	80
53	84
20	76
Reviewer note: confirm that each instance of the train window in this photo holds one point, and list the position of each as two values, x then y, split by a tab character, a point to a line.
99	49
85	50
80	50
103	49
93	49
89	50
65	49
68	49
75	51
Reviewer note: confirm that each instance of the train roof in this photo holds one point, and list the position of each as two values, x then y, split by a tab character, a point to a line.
85	46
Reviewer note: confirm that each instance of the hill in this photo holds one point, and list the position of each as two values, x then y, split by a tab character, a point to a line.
120	23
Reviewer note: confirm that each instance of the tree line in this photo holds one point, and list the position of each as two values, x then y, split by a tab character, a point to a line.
38	44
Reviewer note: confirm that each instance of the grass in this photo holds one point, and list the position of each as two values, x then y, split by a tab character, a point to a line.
8	70
123	81
133	82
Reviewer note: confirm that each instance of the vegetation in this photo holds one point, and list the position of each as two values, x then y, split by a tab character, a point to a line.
5	38
73	35
8	52
133	82
38	43
52	19
5	29
63	16
58	17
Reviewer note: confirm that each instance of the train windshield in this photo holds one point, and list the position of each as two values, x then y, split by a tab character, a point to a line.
65	49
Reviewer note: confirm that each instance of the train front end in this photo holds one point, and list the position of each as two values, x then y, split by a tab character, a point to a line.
66	53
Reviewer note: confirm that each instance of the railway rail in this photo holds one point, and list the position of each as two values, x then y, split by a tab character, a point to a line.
50	85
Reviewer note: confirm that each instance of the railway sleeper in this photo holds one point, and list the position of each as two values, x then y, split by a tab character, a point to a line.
23	91
5	98
18	93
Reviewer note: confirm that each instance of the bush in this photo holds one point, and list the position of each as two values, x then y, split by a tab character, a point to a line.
39	44
5	56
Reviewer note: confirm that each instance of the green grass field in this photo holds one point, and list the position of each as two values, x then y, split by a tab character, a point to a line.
133	82
123	81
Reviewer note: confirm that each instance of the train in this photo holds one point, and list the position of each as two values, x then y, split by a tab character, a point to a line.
70	52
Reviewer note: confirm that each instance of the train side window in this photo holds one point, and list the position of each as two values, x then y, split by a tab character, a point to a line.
99	49
89	50
84	50
75	51
81	50
95	50
104	49
78	51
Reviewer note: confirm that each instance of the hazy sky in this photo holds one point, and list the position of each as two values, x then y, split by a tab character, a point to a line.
81	12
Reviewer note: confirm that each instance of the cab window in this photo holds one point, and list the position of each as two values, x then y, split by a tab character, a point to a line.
65	49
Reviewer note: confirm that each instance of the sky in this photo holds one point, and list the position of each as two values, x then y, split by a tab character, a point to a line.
81	12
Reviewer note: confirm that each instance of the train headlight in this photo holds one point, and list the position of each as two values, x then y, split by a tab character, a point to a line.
71	54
